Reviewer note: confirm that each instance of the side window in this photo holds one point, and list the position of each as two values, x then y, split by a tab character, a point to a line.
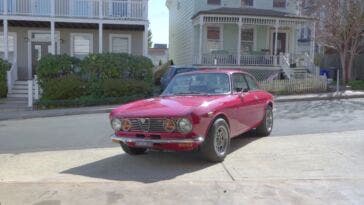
252	83
239	82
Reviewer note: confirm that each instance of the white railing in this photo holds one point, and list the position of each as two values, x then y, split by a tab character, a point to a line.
232	59
284	62
33	91
101	9
12	76
311	66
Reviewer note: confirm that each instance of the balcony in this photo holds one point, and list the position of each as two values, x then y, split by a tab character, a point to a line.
132	10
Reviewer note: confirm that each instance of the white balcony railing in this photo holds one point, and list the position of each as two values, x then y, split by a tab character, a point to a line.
232	59
104	9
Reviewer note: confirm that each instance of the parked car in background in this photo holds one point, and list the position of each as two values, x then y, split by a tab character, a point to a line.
173	71
199	110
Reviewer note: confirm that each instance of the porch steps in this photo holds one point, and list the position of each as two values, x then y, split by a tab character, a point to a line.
20	90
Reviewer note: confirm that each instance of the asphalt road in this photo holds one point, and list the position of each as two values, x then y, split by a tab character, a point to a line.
92	131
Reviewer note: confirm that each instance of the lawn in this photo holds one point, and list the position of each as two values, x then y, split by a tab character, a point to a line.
357	84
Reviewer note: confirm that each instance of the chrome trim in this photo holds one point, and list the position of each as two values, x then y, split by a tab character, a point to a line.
160	141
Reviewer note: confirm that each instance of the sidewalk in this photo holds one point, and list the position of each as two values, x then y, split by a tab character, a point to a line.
27	114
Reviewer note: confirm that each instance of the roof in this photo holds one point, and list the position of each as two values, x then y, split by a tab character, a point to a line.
250	12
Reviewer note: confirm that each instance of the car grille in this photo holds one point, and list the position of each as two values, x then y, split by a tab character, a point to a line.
147	125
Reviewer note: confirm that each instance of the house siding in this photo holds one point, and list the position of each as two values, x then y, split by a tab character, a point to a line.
261	35
230	37
65	47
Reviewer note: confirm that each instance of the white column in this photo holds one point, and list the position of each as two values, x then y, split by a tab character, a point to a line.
239	42
53	38
200	41
101	37
145	47
6	41
276	43
313	41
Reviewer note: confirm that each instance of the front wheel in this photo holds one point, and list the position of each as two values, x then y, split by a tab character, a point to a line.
266	127
217	143
132	150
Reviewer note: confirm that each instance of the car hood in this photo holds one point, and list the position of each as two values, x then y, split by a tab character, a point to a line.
171	106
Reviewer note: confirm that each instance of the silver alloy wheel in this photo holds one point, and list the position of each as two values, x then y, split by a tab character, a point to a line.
269	120
221	140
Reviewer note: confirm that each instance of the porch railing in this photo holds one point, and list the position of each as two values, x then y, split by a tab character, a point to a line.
104	9
232	59
12	76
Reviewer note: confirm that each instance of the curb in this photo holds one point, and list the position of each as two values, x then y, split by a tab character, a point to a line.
318	98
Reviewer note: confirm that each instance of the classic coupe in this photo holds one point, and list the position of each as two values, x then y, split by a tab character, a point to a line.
201	110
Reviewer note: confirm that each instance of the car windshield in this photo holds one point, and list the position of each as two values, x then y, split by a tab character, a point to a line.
199	84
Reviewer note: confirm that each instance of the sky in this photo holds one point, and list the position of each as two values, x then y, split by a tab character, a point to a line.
159	22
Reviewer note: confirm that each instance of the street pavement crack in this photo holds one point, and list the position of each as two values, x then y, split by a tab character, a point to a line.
228	172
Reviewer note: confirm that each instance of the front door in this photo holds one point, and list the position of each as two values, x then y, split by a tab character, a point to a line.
282	43
39	50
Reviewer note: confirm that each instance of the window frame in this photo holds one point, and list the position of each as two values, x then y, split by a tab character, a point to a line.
89	35
113	35
211	2
245	5
233	82
221	37
253	41
276	5
246	76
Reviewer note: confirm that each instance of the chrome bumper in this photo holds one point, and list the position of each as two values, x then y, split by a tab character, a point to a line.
114	138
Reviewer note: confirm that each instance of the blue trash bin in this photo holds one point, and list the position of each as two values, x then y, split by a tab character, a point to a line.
325	71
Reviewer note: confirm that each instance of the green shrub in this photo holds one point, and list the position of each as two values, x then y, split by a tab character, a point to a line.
357	84
160	72
118	88
66	87
4	67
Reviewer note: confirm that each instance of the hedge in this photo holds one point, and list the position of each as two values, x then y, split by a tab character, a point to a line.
357	84
97	77
4	67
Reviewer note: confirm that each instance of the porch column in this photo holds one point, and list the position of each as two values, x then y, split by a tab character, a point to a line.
145	41
276	43
200	41
101	37
6	41
313	41
53	38
238	56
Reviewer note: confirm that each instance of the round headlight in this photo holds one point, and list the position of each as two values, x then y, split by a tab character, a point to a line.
184	125
126	125
116	124
169	125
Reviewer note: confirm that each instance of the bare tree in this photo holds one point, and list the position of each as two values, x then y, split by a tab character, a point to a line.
340	27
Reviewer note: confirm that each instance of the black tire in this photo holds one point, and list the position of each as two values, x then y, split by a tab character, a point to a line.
132	150
266	127
208	150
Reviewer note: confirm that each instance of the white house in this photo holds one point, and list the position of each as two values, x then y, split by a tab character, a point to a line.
31	29
240	33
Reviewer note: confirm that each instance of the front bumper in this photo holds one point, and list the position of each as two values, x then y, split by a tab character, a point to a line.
197	140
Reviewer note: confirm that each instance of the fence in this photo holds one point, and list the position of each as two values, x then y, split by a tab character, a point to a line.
295	86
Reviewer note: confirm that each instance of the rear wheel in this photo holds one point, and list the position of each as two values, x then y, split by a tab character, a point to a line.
132	150
216	146
266	127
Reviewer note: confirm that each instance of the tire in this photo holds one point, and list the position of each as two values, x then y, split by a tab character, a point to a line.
132	150
216	147
266	127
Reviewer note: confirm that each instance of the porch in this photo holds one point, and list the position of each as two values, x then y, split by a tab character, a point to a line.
223	37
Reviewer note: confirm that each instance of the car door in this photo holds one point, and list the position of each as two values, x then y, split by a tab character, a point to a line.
245	103
258	107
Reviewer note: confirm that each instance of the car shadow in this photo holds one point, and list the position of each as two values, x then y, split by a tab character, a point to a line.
151	167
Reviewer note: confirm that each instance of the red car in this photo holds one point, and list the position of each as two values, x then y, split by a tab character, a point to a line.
198	110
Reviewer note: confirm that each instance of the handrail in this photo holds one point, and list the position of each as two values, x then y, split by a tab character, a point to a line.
310	64
285	65
100	9
12	76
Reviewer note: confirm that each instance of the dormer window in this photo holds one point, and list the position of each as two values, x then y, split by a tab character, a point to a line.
279	4
247	3
214	2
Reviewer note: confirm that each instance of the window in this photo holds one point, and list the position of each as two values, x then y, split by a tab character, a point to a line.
252	83
120	43
239	82
11	46
247	40
247	3
81	45
214	2
279	3
213	39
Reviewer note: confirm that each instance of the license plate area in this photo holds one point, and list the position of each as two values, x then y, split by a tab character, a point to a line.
144	144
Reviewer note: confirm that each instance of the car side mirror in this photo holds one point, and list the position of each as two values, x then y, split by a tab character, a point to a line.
245	90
